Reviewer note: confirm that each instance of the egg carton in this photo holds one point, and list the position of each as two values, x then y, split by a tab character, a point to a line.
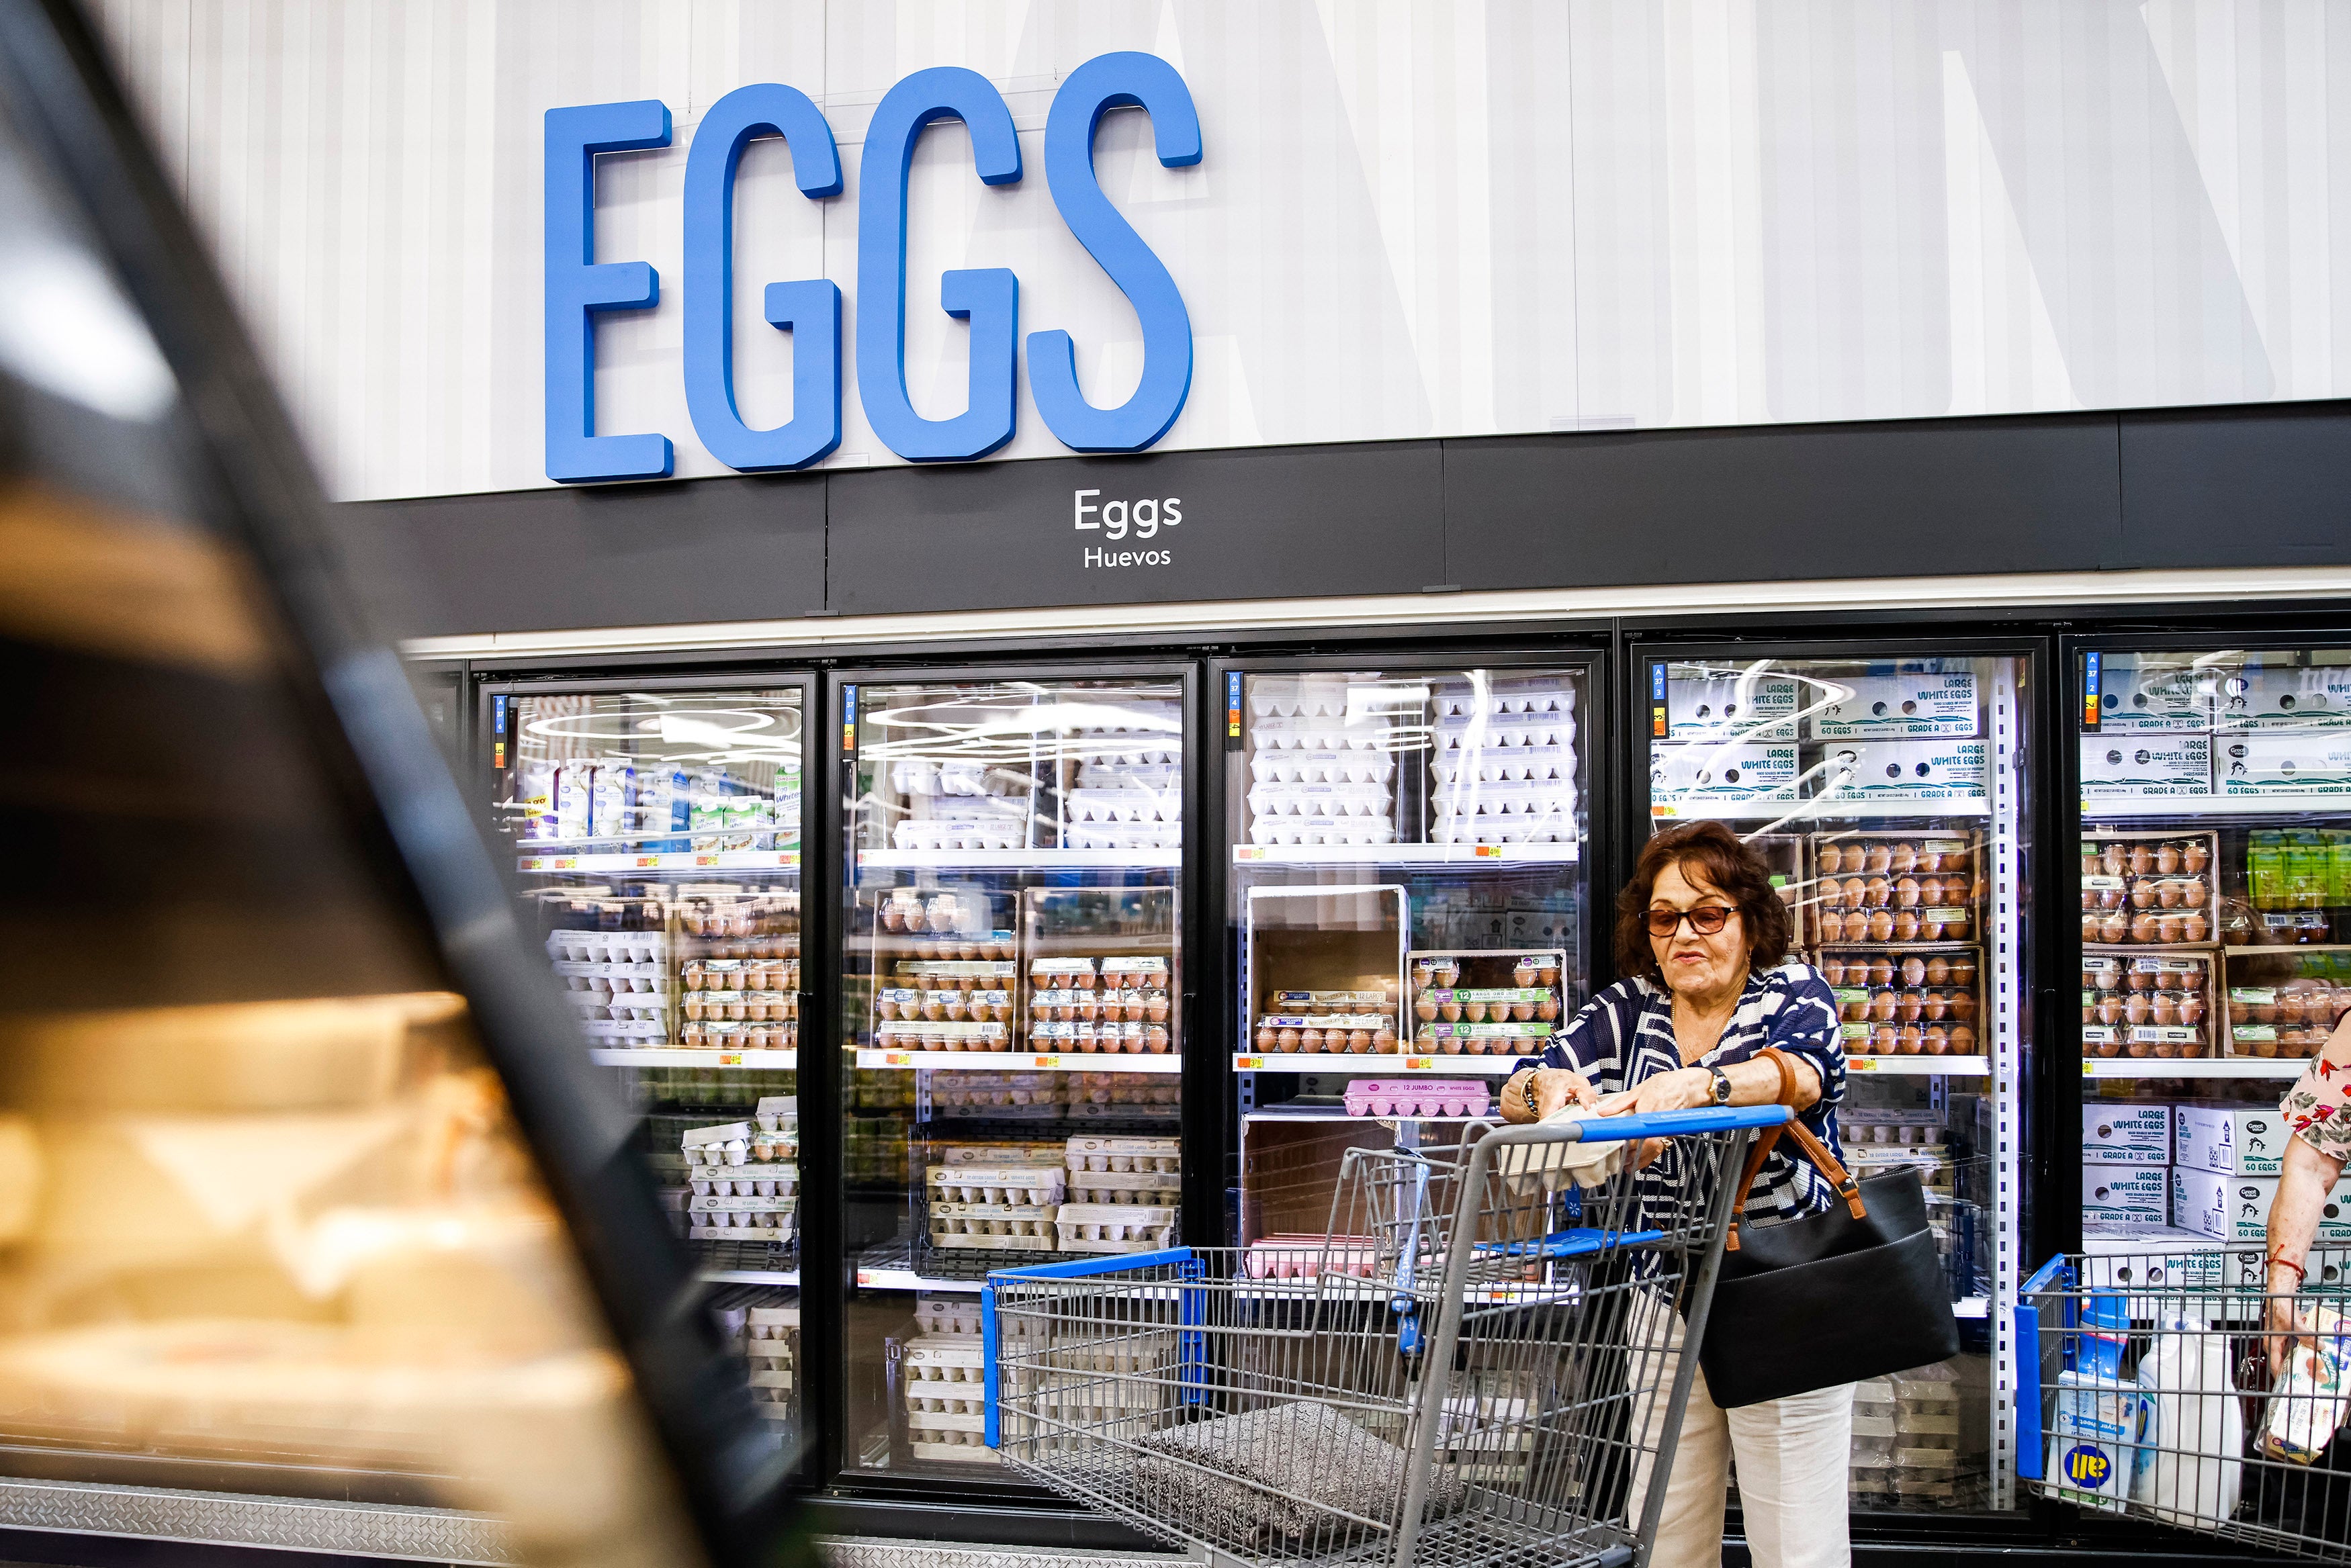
962	1099
1003	1227
735	1143
777	1228
951	1449
941	833
740	1204
1502	695
1114	1227
1510	765
776	1179
1160	1154
938	1313
1124	835
609	947
1319	695
633	1007
1475	735
1417	1098
1121	805
1472	801
778	1113
1121	1112
995	1184
1087	1187
1293	1256
1161	779
1504	830
1290	767
1357	831
619	976
1320	801
641	1033
1322	733
960	1035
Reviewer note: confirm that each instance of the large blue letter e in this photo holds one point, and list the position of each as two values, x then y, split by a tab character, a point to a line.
988	296
577	286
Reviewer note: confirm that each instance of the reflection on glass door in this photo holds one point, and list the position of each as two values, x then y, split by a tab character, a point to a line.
1888	797
1012	1018
659	832
2215	850
1408	908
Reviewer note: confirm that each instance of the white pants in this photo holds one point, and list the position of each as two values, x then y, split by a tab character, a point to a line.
1792	1456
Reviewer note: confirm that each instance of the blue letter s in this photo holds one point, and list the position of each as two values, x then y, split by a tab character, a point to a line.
1105	83
988	296
808	309
577	285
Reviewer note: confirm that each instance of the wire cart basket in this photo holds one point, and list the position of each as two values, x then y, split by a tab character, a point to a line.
2153	1395
1478	1364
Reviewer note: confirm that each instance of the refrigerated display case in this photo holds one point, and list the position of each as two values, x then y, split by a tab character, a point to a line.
2214	875
1407	889
1886	789
655	829
1012	1015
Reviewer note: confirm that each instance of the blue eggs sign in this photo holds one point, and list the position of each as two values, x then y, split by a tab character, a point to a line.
578	286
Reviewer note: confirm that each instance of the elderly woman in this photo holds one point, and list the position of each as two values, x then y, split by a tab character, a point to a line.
1702	939
2318	1110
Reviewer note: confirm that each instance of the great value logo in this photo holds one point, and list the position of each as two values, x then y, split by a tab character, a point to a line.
2087	1467
580	287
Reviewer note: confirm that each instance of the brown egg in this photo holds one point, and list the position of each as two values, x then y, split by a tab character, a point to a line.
2090	927
1547	1006
1832	859
2167	895
1877	858
2192	1009
1914	971
1853	1006
2141	928
1906	926
1939	1006
1451	1009
1935	1041
2141	860
1881	1005
1288	1040
2167	859
2112	862
1901	858
1963	1005
2138	979
1909	1039
1938	969
1963	1040
2166	928
1309	1039
2166	1009
2194	857
2136	1007
1911	1007
1933	926
2090	865
2111	898
2110	1008
1881	924
2293	1006
1881	971
1906	892
1425	1005
1852	891
2089	897
1832	969
1882	1040
1963	970
1878	893
2193	894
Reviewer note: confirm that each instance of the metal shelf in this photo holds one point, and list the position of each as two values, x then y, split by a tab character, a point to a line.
1025	1061
668	1056
1921	1067
669	860
1407	854
1019	859
907	1279
1345	1062
2194	1066
1817	810
2118	808
752	1276
1332	1114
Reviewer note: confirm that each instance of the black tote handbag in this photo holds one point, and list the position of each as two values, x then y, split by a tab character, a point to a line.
1855	1290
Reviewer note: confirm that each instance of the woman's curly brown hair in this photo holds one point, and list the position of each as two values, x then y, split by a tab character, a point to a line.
1713	855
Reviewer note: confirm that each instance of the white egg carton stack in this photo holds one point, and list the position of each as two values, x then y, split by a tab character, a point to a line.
944	1380
1315	777
611	947
1140	1176
768	1337
744	1177
994	1196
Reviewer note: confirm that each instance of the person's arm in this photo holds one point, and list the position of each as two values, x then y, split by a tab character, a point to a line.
1559	1077
1804	1026
2318	1109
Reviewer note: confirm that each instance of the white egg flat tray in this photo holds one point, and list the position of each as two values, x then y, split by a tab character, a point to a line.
1000	1154
739	1233
714	1204
974	1420
953	1453
779	1177
770	1379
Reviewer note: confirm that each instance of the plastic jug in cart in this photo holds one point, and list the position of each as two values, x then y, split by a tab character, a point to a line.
2192	1473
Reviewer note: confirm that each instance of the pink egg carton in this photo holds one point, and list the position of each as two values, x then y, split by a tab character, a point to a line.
1417	1098
1291	1256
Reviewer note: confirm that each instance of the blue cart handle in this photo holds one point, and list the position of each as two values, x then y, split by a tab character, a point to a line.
1672	1123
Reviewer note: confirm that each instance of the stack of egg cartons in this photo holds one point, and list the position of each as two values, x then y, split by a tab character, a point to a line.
762	1324
1130	1190
994	1196
1129	792
1502	767
1870	1468
745	1176
619	983
1319	773
944	1380
959	804
1926	1467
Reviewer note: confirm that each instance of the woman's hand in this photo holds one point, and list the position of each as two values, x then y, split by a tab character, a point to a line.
1687	1088
1554	1087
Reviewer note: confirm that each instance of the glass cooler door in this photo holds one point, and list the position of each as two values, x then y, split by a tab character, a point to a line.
657	829
2215	881
1408	902
1012	1016
1887	794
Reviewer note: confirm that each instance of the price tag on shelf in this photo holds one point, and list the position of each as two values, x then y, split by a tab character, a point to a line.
1249	852
648	861
564	863
1487	851
711	860
897	1058
1047	1061
1419	1064
1861	1064
730	1058
864	1277
529	863
2089	1068
1248	1063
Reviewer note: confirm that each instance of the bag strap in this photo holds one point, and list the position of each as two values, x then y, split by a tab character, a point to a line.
1806	1141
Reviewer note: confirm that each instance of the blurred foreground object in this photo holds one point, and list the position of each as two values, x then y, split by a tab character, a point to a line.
303	1191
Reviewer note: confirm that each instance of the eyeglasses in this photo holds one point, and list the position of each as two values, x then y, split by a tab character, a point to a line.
1706	919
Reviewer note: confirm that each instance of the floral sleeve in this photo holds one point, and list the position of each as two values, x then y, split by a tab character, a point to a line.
2318	1106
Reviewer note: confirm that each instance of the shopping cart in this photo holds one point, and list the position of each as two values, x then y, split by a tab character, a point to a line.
1479	1364
2150	1395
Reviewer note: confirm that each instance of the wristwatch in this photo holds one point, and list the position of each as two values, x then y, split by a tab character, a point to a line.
1721	1085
